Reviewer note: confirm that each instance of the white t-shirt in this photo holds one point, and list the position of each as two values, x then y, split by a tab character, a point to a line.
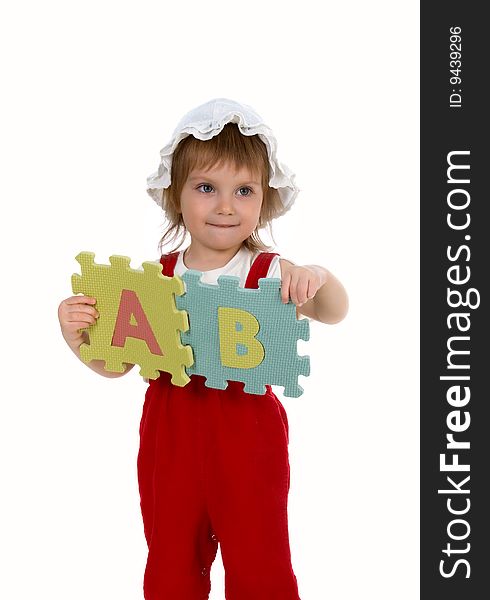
239	266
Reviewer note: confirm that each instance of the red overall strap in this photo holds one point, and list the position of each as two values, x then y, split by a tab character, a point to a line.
169	261
259	269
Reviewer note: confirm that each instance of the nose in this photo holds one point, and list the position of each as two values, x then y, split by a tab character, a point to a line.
224	204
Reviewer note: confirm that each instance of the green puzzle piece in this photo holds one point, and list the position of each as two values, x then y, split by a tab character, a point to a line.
223	348
129	302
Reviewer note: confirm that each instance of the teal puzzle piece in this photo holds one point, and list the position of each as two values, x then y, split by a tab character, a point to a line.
279	333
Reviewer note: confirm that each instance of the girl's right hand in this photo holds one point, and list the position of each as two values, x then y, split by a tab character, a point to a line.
75	313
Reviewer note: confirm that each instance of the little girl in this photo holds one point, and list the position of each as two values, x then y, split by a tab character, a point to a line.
213	464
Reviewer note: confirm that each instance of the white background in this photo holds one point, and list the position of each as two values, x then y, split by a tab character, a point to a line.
91	92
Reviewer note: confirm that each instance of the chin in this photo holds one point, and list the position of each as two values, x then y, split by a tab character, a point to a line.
226	245
223	238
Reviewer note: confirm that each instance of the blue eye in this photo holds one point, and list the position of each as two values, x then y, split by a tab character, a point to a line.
247	190
206	188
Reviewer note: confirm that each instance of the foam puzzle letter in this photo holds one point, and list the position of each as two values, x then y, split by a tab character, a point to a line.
277	334
139	322
238	345
130	309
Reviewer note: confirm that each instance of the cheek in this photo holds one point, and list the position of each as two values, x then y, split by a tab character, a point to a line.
250	212
191	211
258	209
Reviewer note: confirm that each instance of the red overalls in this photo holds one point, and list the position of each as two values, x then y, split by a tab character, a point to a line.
213	467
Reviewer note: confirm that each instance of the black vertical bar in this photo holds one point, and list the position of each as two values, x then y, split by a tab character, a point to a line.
455	262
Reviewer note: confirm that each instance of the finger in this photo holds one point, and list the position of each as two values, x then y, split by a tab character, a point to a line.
82	317
89	316
80	300
293	291
298	289
302	291
83	308
285	288
312	289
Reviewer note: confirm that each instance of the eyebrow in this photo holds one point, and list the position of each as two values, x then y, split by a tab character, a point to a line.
204	177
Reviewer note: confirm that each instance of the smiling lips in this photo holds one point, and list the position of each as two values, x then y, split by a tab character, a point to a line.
224	225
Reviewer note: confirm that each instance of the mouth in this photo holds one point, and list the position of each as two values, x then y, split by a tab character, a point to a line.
221	225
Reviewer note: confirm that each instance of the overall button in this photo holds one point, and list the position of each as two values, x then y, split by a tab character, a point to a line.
204	571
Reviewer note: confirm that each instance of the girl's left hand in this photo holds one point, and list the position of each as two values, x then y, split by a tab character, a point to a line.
301	283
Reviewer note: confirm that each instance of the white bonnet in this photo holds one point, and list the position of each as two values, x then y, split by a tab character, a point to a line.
206	121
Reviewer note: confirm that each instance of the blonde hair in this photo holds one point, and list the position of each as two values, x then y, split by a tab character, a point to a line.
229	146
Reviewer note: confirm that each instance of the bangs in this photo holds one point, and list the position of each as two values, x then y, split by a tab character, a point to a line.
229	147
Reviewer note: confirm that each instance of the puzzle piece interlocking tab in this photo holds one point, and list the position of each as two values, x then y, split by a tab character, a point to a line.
241	334
138	322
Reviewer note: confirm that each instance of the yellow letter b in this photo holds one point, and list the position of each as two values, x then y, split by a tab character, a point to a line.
238	345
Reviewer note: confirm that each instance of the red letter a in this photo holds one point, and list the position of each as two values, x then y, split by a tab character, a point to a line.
129	306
